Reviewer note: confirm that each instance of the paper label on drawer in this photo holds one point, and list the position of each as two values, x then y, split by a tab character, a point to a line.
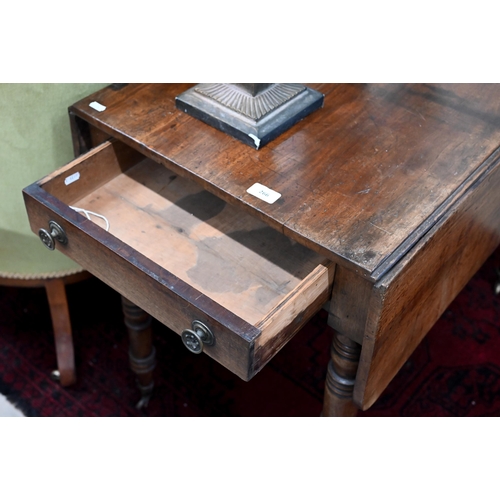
263	193
97	106
72	178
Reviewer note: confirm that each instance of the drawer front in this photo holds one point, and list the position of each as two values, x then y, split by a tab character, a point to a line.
152	288
239	343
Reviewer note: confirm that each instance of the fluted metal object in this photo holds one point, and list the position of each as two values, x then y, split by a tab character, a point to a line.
254	113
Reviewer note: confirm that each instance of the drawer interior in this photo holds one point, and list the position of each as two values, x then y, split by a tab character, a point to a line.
226	254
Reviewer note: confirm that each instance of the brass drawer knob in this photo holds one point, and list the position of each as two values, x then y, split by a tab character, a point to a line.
199	335
56	233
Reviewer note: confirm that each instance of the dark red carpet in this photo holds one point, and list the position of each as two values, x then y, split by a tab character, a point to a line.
454	372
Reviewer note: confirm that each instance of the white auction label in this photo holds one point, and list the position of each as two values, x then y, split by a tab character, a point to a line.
72	178
263	193
97	106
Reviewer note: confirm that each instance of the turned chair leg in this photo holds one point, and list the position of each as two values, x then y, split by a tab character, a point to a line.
59	311
142	354
340	378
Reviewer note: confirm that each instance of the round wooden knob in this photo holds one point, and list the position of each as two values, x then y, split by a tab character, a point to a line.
194	339
56	233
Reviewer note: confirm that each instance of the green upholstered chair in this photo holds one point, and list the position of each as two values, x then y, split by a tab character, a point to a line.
35	139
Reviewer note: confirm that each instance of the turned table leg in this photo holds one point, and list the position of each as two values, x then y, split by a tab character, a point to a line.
142	354
340	377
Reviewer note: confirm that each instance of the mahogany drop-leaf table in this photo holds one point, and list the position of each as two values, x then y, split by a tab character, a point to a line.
389	203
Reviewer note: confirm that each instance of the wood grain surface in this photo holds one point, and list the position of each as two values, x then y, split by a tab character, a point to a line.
229	256
361	179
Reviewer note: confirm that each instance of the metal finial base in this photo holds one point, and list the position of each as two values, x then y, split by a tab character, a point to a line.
253	114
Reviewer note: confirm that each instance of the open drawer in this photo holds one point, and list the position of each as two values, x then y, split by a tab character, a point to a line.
182	254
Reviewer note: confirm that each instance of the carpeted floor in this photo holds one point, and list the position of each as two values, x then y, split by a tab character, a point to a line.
454	372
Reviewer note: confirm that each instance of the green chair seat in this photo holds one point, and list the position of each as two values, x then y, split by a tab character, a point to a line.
35	139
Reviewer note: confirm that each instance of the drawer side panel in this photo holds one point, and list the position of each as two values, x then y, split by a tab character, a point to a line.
285	320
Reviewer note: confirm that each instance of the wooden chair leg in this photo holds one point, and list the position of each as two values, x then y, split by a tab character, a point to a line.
340	378
142	354
59	311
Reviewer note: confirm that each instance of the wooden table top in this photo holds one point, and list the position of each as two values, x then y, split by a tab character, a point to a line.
361	180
